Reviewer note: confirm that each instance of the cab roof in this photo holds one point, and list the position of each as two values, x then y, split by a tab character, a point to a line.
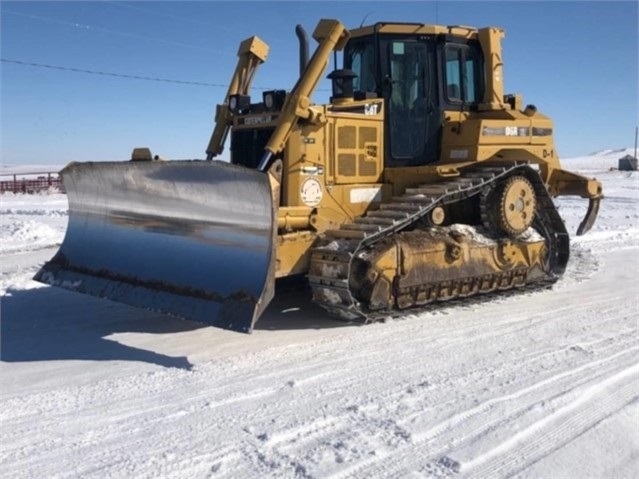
461	31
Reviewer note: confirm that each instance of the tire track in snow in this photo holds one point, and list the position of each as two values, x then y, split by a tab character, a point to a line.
440	438
169	380
356	428
165	383
167	413
593	405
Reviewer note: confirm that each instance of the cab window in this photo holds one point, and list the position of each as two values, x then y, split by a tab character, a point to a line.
463	73
360	57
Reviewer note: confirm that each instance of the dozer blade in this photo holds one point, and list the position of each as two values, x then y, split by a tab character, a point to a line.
189	238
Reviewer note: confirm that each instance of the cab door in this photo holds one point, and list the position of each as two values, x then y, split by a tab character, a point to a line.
413	116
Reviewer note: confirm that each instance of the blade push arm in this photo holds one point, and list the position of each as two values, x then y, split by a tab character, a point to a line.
251	55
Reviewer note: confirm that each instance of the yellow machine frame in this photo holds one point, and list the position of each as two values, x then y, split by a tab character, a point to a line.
340	153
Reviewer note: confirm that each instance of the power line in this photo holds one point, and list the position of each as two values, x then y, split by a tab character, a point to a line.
124	75
118	75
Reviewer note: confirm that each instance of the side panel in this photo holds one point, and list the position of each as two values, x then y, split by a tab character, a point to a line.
357	143
336	168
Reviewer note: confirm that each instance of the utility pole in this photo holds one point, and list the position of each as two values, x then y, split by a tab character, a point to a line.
630	163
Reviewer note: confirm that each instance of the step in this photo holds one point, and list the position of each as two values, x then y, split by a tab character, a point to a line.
394	214
432	189
346	234
372	228
403	206
423	200
375	221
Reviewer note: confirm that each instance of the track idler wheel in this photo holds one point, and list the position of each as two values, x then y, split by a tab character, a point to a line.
510	207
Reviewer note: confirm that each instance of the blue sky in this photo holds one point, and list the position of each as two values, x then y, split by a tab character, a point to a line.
576	61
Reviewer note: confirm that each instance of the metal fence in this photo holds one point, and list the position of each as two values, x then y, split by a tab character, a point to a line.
30	182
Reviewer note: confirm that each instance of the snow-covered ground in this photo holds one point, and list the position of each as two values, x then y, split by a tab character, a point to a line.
539	384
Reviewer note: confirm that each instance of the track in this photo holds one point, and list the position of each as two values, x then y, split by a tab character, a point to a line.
332	262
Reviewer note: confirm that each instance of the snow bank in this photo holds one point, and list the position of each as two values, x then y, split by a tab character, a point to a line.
601	161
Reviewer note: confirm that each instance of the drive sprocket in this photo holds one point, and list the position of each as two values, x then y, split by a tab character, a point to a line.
510	207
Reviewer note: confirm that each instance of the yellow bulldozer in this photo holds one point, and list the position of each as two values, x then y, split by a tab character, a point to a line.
420	181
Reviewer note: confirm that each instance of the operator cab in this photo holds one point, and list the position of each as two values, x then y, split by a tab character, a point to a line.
420	71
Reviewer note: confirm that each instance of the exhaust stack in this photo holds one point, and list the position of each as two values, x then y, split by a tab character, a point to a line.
303	38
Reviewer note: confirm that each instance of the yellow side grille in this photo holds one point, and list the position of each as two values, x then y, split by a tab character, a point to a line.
346	164
367	168
346	137
367	134
359	143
